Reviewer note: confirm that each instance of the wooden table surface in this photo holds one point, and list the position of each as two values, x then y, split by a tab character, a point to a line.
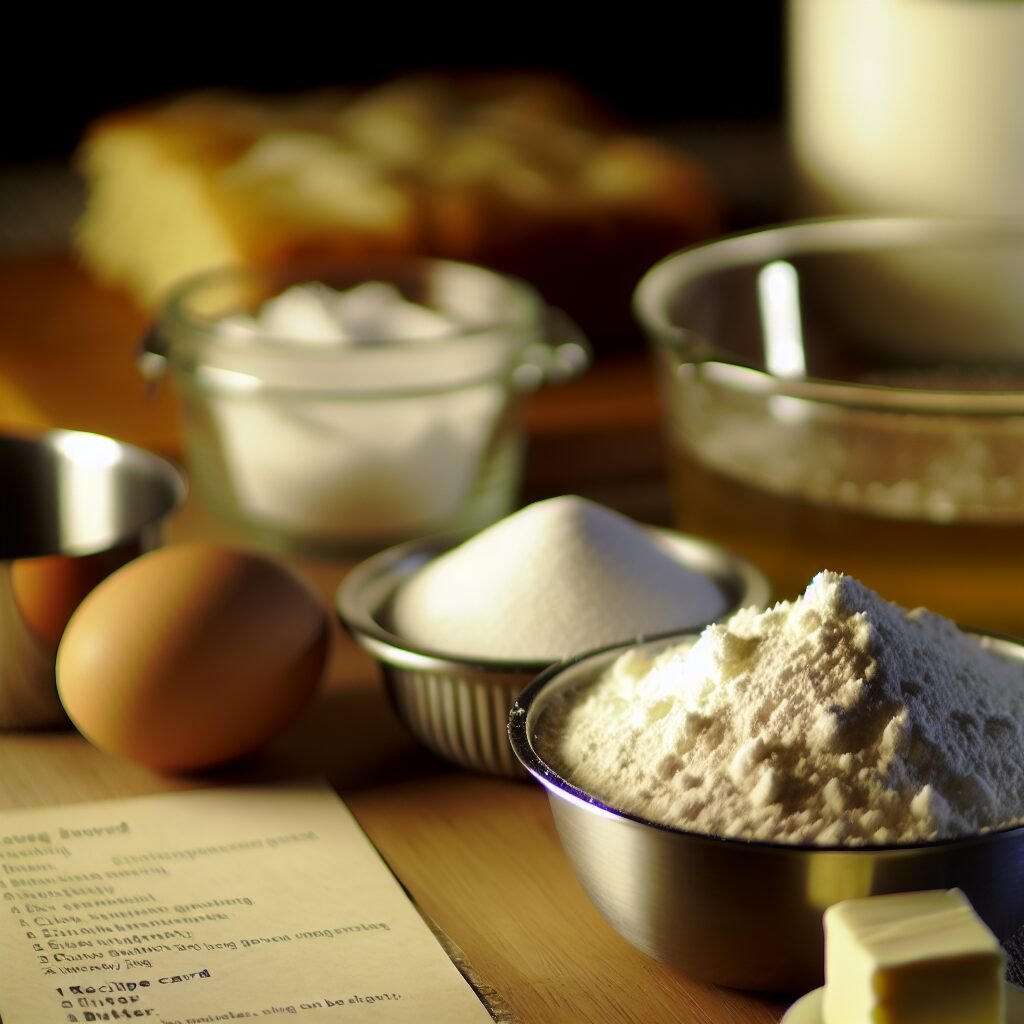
478	854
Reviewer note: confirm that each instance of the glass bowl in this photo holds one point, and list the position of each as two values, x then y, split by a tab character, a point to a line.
848	394
340	445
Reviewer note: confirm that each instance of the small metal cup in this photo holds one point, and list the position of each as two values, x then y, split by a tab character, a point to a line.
458	706
76	507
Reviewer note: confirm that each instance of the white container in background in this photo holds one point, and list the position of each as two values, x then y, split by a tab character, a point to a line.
915	107
907	106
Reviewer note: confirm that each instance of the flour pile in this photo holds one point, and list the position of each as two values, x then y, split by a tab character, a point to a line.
838	718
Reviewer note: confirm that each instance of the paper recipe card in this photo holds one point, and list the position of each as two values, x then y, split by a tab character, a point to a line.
215	905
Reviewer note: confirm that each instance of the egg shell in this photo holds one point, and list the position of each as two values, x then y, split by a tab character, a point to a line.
192	655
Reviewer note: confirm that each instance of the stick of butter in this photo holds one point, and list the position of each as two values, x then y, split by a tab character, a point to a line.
911	958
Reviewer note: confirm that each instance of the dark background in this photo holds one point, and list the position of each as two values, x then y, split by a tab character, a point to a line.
679	63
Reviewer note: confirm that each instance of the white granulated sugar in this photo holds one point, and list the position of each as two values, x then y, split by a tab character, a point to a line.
838	718
556	578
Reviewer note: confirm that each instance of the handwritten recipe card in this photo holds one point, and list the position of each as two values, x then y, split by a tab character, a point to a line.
215	905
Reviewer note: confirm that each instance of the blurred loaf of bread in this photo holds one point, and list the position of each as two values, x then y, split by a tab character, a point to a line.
521	173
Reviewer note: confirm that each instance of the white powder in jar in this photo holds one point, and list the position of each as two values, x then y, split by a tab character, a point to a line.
313	312
374	421
838	718
556	578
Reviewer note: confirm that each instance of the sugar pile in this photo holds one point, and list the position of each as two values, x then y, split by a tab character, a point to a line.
838	718
556	578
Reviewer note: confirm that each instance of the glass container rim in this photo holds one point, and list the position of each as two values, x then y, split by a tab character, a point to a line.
819	235
175	306
854	396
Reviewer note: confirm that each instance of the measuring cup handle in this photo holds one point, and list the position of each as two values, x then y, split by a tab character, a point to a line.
570	352
561	353
151	355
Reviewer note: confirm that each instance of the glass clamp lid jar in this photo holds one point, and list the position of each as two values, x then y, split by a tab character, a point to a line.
401	422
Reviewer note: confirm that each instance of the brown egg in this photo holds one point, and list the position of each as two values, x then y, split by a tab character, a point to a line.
192	655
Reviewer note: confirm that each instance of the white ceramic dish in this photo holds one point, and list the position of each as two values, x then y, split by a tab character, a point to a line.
807	1009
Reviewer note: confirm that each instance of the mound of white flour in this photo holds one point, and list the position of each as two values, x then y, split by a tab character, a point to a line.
838	718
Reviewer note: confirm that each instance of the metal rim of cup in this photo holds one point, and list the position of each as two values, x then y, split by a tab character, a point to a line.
366	589
73	445
530	705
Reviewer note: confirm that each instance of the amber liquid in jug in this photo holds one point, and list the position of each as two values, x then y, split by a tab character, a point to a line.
970	571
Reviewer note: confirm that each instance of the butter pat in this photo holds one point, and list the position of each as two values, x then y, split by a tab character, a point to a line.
911	958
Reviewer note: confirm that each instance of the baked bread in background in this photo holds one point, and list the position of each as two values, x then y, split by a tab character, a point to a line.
520	172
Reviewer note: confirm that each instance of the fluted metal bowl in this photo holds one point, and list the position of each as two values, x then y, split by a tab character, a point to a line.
459	706
735	912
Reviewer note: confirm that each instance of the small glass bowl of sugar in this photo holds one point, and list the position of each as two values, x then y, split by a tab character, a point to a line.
342	410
